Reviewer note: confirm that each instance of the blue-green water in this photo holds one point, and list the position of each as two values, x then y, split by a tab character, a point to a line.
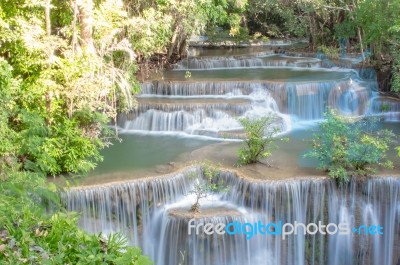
246	74
138	151
139	155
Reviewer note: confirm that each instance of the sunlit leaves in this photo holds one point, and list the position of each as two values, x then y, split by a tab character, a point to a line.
151	32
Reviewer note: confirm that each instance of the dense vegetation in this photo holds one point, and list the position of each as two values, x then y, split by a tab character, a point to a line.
68	67
30	235
369	27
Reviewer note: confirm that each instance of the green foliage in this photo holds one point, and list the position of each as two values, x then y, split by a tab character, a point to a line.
330	52
163	26
325	21
8	136
51	143
344	147
395	51
63	147
223	20
275	18
210	174
225	13
346	29
31	234
384	108
216	12
376	29
259	141
379	33
151	33
57	100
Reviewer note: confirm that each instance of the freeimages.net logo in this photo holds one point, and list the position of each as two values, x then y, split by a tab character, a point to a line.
280	229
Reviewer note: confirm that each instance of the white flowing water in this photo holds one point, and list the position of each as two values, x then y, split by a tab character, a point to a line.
246	62
290	101
153	213
293	88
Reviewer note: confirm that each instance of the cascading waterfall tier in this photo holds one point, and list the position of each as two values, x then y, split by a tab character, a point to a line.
303	100
211	107
153	213
202	95
387	107
126	206
246	61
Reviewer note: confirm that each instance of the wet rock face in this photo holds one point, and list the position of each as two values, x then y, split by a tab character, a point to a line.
151	214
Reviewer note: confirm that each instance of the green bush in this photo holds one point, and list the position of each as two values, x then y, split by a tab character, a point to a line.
329	51
344	147
31	233
44	141
395	86
259	139
34	228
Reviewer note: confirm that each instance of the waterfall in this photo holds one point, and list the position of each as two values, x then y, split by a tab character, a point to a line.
153	213
245	61
128	206
211	107
387	107
182	121
295	87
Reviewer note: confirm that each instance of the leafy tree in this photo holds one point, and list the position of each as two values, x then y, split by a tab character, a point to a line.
275	18
344	147
259	141
61	93
34	228
377	29
59	87
378	33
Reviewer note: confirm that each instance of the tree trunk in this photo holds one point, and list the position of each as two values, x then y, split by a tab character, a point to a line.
173	41
74	42
312	38
183	46
361	43
85	8
358	32
47	17
50	55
